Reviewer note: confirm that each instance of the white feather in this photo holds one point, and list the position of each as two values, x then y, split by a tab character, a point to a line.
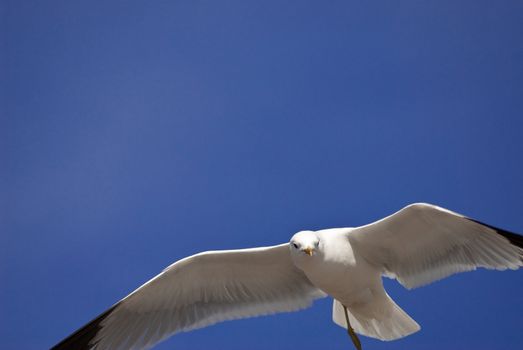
204	289
423	243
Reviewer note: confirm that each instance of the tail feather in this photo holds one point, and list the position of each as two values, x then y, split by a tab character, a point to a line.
381	318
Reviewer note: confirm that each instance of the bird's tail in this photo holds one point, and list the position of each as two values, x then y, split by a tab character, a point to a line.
381	318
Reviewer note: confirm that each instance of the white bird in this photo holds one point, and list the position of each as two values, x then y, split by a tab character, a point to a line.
417	245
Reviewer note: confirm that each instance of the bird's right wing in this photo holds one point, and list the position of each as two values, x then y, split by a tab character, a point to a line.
196	292
422	243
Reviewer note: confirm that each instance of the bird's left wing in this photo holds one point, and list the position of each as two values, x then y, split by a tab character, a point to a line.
422	243
196	292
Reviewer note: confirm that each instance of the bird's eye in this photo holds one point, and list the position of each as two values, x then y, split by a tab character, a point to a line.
294	245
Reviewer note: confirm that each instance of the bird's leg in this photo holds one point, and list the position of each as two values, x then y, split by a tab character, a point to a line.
351	332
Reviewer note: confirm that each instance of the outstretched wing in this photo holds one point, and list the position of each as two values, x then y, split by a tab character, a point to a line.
196	292
423	243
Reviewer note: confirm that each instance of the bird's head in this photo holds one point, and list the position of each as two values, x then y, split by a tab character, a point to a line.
304	244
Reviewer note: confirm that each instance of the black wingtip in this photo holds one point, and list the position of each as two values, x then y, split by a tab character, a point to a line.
80	339
513	238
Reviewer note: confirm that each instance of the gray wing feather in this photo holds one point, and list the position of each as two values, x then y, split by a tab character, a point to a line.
199	291
423	243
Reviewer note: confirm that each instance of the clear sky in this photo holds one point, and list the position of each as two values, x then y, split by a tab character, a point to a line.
135	133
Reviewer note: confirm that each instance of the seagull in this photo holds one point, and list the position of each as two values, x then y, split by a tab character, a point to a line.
417	245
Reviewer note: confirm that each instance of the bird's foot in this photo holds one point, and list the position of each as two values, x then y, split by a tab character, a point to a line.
353	336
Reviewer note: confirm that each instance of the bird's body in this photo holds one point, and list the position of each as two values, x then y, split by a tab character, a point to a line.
338	270
417	245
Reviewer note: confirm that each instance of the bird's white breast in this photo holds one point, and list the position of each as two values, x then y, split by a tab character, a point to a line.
340	271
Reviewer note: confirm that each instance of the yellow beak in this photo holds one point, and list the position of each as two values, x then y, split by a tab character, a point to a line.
308	251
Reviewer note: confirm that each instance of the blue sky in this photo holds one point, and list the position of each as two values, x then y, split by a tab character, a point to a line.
136	133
